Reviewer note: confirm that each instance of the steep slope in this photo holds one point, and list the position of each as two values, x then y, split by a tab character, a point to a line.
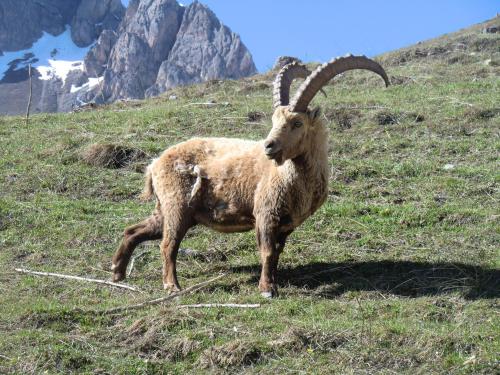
398	272
468	45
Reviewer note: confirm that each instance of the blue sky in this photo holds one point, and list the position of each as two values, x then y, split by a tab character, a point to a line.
317	30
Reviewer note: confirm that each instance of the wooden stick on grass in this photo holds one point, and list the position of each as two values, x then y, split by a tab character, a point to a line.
160	300
61	276
217	305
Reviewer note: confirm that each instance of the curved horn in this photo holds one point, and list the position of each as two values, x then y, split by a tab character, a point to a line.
283	81
324	73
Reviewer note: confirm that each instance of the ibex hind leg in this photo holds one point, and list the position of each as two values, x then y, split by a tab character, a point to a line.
178	220
148	229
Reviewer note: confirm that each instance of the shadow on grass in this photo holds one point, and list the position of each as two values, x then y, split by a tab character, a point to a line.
404	278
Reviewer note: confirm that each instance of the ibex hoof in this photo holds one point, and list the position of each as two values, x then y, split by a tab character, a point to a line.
267	294
118	276
170	288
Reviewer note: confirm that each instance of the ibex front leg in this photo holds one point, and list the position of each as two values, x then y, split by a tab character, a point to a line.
149	229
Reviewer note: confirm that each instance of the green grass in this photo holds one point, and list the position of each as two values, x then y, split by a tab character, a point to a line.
397	273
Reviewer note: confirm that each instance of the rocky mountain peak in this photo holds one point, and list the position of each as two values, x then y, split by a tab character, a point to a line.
154	50
140	51
219	52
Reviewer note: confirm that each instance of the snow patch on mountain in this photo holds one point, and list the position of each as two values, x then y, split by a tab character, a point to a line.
59	69
51	55
93	82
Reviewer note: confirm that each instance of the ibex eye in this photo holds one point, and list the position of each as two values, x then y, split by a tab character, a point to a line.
297	124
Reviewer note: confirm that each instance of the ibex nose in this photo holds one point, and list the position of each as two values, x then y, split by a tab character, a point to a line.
269	144
270	147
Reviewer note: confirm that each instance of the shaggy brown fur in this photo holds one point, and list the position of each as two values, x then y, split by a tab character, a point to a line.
234	185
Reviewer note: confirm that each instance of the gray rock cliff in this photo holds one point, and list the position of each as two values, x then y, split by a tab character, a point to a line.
22	22
146	38
94	16
139	52
162	45
97	58
205	49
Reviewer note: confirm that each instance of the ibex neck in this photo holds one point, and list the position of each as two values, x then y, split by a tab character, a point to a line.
315	159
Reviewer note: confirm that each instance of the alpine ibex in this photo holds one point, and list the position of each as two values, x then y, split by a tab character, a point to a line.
234	185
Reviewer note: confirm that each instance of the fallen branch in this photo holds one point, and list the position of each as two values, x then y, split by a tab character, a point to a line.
208	104
104	282
217	305
364	107
160	300
132	262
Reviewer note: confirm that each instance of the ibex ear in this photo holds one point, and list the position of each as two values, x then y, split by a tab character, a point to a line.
314	113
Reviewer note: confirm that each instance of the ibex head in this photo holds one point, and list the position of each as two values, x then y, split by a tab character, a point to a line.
294	121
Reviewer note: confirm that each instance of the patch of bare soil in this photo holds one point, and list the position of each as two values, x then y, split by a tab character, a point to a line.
482	113
386	118
344	118
255	116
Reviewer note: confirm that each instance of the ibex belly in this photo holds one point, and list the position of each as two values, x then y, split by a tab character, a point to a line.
224	217
224	205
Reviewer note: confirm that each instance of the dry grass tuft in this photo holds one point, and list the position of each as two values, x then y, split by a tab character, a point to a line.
151	338
296	339
111	156
149	326
415	117
233	354
158	346
401	80
253	86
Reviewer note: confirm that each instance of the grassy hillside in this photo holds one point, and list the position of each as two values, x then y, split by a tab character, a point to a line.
397	273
